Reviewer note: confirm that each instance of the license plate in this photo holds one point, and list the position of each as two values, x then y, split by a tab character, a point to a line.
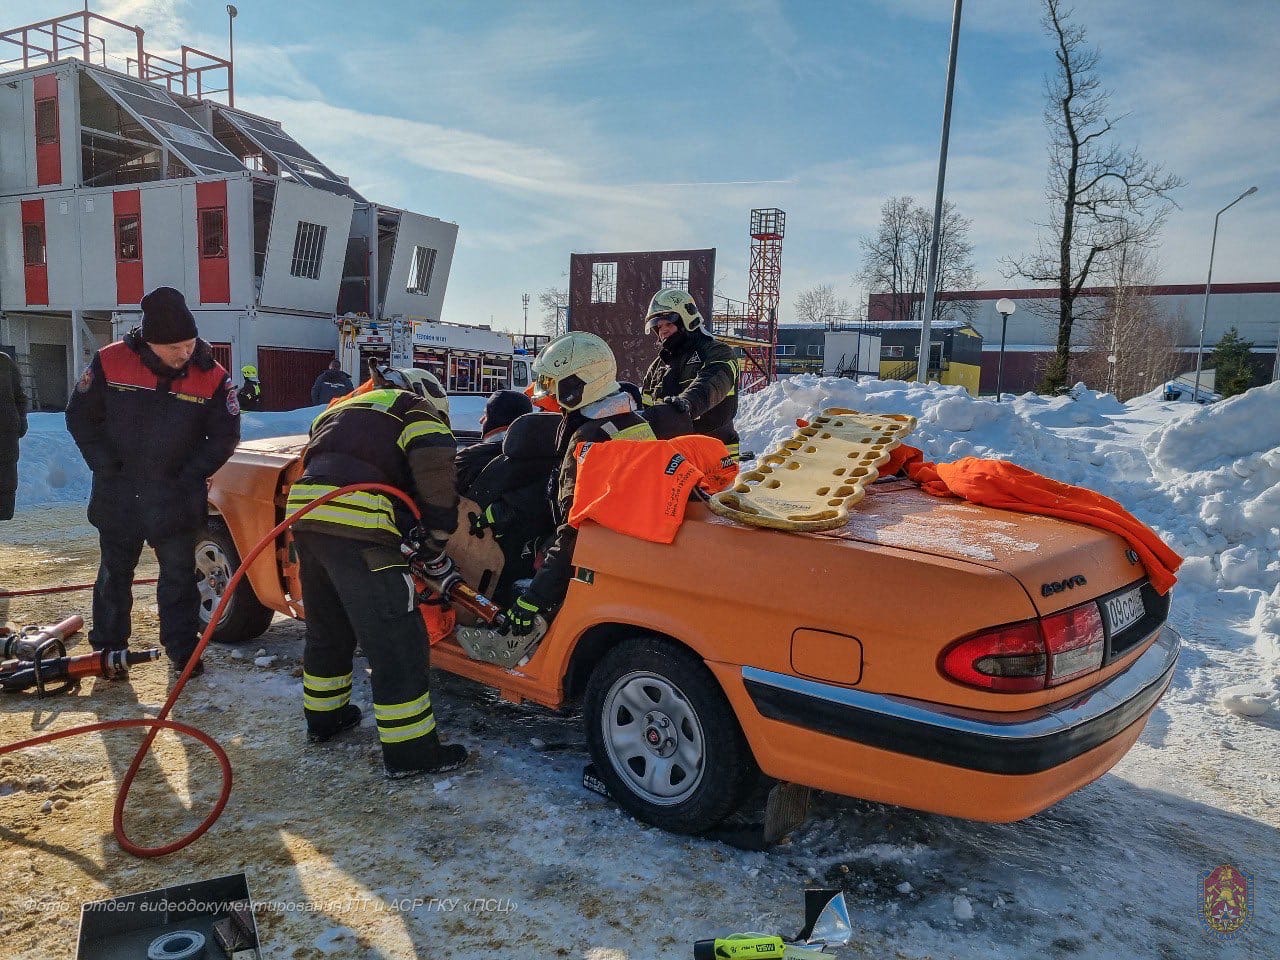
1124	610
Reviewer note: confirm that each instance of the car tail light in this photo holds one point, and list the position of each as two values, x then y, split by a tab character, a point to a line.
1030	655
1009	658
1076	643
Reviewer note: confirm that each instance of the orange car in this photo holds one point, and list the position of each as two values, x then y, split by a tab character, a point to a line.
932	654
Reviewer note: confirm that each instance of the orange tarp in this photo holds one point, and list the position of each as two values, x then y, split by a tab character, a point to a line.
995	483
640	487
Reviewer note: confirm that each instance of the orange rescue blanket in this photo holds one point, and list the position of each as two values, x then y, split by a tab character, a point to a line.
995	483
640	487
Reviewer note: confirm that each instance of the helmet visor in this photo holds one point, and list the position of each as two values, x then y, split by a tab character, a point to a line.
660	318
544	386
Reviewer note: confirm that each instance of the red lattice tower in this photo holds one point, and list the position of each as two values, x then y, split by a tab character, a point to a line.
768	226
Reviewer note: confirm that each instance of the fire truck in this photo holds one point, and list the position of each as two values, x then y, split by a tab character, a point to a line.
468	360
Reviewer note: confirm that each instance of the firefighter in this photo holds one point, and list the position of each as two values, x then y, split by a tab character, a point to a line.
578	372
251	393
356	583
692	385
506	475
13	427
154	416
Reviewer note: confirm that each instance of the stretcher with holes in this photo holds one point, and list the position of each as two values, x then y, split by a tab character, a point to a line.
812	481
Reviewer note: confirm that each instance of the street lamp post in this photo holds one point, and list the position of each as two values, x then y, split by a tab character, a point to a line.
1005	307
524	299
1204	315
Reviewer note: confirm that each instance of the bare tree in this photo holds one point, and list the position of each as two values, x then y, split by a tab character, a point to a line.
820	303
896	259
1101	197
554	303
1131	347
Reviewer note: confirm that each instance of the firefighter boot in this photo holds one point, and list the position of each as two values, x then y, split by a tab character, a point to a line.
428	756
344	718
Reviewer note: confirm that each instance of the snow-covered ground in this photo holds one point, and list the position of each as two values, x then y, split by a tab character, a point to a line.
1113	870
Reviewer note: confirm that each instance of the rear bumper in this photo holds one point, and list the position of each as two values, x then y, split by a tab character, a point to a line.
1027	742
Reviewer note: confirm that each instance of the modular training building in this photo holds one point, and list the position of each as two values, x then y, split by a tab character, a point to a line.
112	184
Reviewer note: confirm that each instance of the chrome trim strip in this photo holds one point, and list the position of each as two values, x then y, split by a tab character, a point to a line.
1149	669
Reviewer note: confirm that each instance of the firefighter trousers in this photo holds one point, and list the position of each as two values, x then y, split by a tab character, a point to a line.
362	593
177	596
8	474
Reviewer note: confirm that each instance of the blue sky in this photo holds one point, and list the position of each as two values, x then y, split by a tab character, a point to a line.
553	127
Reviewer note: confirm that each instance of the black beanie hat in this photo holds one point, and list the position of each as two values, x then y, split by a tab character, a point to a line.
165	317
503	407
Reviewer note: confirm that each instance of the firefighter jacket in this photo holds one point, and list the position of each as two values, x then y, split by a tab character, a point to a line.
611	418
250	396
13	401
152	436
386	436
509	476
703	371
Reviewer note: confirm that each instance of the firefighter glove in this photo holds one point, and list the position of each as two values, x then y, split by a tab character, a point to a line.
520	616
680	403
482	521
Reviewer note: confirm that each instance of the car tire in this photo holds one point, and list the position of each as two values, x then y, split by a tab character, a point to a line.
245	618
663	737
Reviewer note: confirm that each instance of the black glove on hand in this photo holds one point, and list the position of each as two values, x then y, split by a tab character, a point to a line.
481	522
520	616
680	403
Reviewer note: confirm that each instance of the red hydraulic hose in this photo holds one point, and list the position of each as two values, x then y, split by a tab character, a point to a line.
6	594
162	721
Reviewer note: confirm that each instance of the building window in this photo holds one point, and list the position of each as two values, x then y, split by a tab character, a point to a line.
420	270
213	233
891	353
815	349
604	283
128	228
47	120
675	273
786	350
308	250
33	244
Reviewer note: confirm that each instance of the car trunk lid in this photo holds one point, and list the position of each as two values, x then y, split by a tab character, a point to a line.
1059	563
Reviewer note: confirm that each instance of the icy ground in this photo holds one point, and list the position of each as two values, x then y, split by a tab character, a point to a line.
1113	870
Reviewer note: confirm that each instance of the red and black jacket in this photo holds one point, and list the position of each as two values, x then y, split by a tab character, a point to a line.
160	432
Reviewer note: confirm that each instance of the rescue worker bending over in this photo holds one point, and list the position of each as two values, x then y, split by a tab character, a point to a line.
506	475
154	416
356	583
692	385
251	393
579	372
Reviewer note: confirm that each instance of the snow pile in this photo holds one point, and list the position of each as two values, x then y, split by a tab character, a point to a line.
952	424
1219	468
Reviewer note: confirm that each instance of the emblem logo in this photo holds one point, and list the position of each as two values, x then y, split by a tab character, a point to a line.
1227	900
86	380
1057	586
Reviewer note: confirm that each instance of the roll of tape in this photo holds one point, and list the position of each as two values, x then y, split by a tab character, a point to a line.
177	945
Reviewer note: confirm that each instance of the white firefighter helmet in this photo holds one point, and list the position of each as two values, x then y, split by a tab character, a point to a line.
575	369
417	381
673	300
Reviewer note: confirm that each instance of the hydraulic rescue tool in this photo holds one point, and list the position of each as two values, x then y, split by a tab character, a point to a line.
492	642
37	657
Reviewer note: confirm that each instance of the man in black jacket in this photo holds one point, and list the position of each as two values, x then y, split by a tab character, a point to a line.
692	385
579	372
13	427
506	475
330	385
154	416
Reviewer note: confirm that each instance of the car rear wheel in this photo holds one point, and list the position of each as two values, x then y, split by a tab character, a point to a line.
664	738
245	618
